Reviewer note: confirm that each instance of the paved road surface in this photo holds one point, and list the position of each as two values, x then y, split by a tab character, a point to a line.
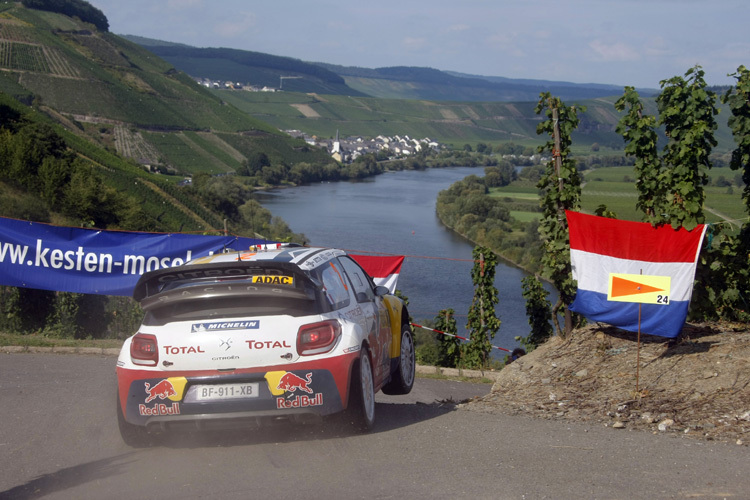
59	439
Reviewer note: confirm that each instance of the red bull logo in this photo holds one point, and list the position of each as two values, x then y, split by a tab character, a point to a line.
162	390
299	402
160	409
281	382
290	382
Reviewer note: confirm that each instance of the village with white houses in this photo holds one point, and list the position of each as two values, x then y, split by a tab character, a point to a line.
227	85
349	149
342	150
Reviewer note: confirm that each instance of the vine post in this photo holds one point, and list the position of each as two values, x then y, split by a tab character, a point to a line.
482	322
561	190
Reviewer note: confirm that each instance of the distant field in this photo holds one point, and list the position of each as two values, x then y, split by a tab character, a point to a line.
510	193
614	187
525	216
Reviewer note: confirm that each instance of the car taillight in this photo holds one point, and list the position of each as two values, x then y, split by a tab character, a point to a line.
144	349
317	338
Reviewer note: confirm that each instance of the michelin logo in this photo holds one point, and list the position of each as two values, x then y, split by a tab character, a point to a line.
225	325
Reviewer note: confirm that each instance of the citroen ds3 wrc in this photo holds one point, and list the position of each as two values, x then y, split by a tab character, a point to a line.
237	338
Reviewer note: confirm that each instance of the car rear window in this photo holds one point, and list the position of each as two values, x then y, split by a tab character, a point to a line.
256	295
229	307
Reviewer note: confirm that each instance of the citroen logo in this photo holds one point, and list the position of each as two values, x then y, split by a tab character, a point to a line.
227	343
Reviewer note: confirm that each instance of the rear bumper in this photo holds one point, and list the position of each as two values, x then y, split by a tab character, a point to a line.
157	398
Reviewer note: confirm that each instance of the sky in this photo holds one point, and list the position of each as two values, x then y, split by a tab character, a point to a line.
621	42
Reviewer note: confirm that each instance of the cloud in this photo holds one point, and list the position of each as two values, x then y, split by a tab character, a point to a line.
240	24
613	52
414	43
184	4
458	27
505	43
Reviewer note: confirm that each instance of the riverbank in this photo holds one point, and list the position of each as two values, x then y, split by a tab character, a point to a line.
503	257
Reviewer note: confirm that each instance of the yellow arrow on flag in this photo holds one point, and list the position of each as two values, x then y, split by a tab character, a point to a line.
646	289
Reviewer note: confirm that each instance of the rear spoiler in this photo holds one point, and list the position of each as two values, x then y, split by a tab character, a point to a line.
152	282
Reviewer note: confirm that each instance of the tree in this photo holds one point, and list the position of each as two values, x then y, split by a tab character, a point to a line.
73	8
738	99
449	348
722	287
499	176
639	133
561	190
483	323
538	311
686	110
254	164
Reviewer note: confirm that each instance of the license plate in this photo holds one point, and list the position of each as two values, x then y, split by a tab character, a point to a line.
223	392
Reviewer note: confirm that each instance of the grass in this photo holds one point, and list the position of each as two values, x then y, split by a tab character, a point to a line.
525	216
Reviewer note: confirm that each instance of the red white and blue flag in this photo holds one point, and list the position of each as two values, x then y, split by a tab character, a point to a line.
384	270
600	247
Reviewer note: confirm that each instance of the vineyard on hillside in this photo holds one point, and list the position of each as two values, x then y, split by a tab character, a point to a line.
131	144
23	57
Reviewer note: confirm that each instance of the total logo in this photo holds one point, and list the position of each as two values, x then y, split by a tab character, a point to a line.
173	349
267	344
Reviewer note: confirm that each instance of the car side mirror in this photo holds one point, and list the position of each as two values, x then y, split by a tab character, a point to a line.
381	290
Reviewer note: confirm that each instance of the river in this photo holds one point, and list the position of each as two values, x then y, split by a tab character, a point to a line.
395	213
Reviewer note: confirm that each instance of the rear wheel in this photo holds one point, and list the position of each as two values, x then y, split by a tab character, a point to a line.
402	379
361	409
135	436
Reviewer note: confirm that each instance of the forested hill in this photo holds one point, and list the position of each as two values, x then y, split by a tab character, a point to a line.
398	82
247	67
72	8
431	84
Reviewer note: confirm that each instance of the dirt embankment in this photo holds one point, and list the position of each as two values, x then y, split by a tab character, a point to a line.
697	385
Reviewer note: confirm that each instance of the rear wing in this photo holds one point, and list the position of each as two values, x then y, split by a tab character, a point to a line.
219	278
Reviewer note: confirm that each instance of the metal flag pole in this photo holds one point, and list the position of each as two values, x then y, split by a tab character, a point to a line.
638	349
638	352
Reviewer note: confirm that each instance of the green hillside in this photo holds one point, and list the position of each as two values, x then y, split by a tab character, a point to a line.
449	122
120	95
88	119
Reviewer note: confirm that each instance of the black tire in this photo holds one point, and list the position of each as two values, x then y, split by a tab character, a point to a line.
402	380
360	412
134	436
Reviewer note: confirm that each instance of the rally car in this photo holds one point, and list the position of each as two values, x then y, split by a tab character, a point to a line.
245	337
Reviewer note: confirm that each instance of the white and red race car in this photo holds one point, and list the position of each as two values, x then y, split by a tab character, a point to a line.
235	338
